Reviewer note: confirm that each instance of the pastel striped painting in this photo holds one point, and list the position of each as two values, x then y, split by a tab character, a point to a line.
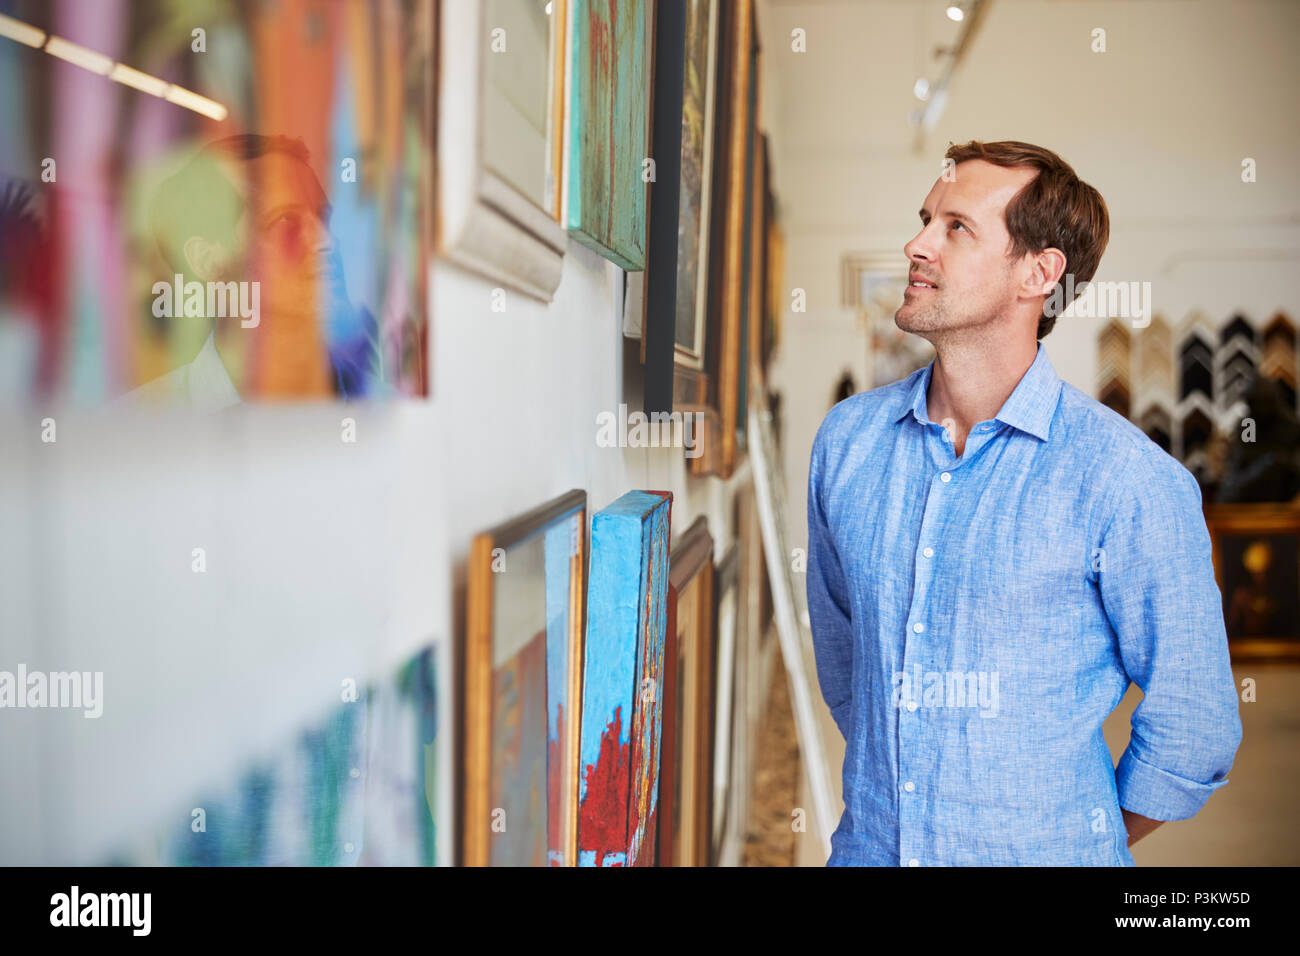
622	711
609	136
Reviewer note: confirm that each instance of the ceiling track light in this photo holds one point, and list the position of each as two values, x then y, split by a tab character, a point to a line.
102	65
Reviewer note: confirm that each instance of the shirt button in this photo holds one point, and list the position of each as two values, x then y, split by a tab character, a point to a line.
945	477
928	552
911	705
918	627
914	862
909	786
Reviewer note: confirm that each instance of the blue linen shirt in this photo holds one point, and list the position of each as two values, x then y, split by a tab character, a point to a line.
976	618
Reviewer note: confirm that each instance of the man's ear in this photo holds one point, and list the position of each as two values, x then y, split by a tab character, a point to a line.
207	260
1046	270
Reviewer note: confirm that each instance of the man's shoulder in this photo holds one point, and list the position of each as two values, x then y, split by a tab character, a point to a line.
1099	433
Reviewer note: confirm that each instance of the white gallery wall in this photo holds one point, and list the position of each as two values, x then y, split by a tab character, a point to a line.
324	560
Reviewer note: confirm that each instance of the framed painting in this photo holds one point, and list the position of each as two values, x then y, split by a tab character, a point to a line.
605	198
728	714
500	136
731	244
872	284
675	299
523	657
1256	551
255	227
686	776
622	702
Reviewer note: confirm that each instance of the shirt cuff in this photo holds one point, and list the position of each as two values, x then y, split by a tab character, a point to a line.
1158	794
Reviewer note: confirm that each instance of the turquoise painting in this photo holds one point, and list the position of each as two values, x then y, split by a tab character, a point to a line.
609	108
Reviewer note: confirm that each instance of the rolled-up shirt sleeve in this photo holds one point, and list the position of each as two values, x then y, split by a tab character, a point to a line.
828	600
1156	578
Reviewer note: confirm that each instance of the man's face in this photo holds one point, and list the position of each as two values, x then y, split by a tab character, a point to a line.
284	229
962	252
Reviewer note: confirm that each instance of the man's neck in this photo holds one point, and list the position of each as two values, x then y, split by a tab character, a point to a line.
972	380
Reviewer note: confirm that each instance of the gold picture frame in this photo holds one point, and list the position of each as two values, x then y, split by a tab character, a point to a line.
496	555
1256	550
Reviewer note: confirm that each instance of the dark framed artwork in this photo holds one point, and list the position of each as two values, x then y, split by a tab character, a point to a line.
686	779
675	287
730	243
525	615
1257	566
774	298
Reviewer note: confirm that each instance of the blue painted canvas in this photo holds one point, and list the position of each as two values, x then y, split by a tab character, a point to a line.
622	713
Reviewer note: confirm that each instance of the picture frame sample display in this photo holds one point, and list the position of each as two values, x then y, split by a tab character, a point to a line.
622	703
609	128
523	658
686	774
1256	550
500	122
676	296
255	227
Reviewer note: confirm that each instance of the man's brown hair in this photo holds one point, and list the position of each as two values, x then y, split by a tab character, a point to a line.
1056	210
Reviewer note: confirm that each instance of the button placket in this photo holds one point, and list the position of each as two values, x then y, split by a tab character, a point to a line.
923	568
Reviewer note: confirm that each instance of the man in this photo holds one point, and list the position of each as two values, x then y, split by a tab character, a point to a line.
994	556
249	210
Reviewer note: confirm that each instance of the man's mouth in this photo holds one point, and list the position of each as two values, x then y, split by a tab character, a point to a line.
919	283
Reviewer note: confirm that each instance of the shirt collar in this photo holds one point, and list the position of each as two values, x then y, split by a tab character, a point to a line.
1029	407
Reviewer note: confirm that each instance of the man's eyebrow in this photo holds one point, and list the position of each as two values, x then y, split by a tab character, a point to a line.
951	214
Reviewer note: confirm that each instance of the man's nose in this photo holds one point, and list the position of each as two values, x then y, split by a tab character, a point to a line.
920	247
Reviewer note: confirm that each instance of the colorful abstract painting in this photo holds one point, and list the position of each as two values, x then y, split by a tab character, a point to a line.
609	108
357	788
622	706
204	204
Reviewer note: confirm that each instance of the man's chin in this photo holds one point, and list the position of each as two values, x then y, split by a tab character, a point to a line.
908	321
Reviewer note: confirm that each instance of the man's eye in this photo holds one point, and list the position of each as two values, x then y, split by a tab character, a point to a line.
956	225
